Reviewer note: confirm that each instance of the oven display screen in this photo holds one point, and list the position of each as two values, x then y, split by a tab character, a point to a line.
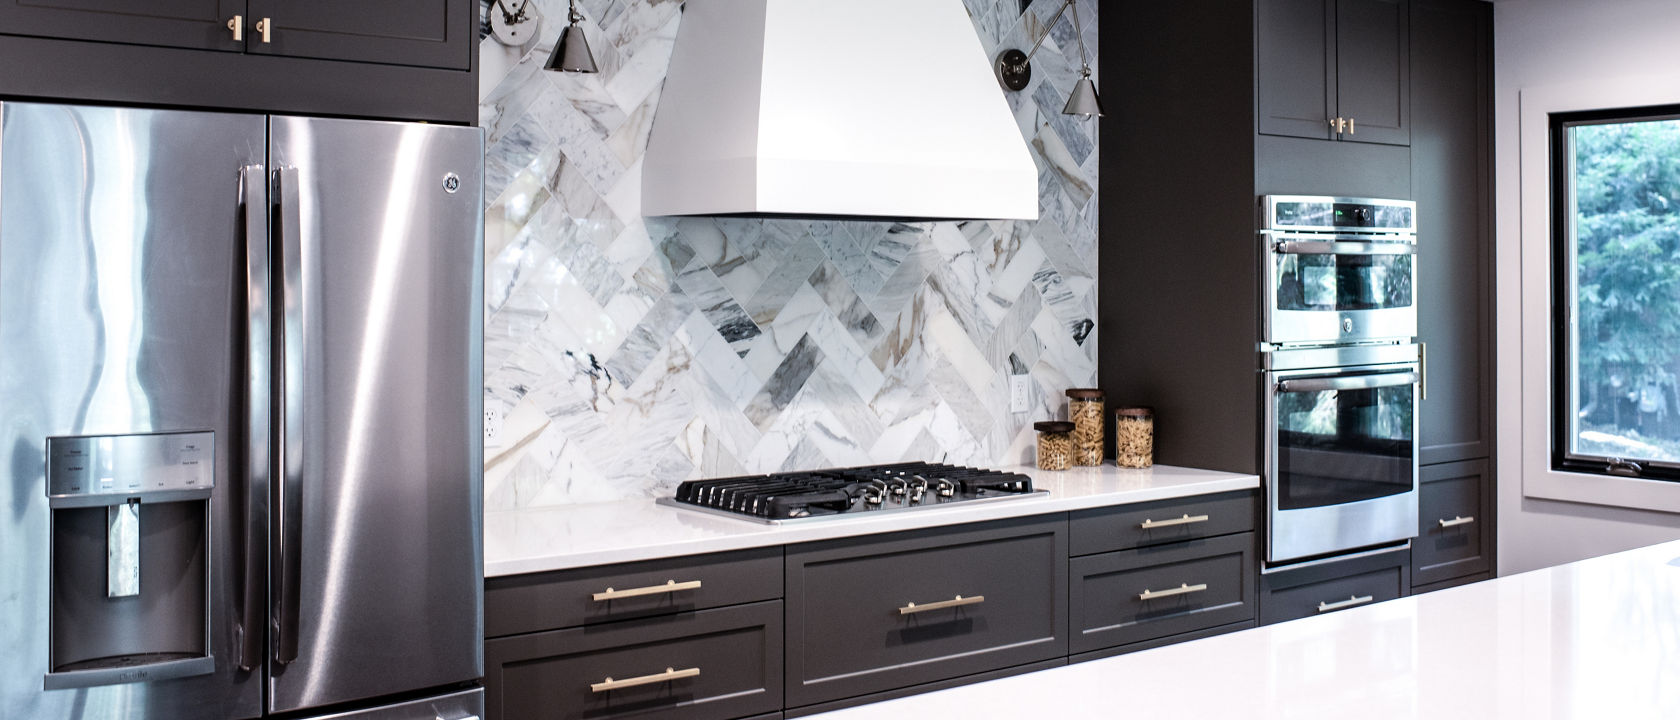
1343	446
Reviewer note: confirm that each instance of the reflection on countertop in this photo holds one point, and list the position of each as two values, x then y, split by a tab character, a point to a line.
553	538
1594	639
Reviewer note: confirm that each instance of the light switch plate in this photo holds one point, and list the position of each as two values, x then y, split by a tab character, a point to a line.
1020	393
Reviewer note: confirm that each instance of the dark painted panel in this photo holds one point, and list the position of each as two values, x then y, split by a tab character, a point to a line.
1121	527
1296	166
1451	493
546	601
738	651
426	33
847	635
1455	582
1296	55
200	24
1451	150
1106	603
1179	306
1372	72
69	70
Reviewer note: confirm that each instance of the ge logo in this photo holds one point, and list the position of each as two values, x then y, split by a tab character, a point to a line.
451	182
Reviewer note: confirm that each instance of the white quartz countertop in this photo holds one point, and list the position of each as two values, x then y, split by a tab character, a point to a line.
1598	638
555	538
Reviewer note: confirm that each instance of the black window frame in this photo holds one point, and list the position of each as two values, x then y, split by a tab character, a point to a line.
1561	197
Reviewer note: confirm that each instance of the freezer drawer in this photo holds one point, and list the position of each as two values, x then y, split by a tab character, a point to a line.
463	705
871	614
707	665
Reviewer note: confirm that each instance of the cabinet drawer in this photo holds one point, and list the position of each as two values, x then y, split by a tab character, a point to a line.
1134	595
865	616
546	601
1333	586
1452	522
1165	521
706	665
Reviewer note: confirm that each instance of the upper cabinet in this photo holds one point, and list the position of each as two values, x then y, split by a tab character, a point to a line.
398	32
1334	70
383	59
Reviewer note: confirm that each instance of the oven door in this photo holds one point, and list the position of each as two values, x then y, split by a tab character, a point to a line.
1341	459
1337	288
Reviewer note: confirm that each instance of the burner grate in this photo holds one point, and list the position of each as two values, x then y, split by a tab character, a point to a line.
872	488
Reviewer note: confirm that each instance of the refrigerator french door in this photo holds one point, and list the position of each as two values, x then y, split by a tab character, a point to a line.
240	387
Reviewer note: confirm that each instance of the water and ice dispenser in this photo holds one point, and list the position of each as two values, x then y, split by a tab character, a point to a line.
130	557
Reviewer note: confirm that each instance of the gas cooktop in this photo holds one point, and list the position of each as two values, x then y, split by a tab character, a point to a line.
796	496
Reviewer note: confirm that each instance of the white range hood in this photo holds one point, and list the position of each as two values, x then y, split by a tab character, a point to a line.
877	108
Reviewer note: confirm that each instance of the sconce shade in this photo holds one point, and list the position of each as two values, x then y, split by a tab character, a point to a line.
571	54
1083	100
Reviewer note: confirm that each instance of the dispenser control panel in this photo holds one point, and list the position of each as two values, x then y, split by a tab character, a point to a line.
130	465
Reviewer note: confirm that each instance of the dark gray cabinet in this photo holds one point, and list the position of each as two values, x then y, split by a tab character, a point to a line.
708	665
871	614
1454	536
389	59
1331	586
1452	184
1334	69
200	24
1131	596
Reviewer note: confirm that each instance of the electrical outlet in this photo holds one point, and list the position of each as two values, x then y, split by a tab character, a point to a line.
492	428
1020	393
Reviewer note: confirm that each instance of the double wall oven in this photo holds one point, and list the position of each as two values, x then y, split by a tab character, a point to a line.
1342	375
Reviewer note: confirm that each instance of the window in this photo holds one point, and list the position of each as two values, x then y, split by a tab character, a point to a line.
1616	291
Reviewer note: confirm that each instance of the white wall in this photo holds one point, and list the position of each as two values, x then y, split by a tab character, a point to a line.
1543	46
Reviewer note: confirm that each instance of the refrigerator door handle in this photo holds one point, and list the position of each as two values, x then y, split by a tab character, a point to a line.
288	546
253	201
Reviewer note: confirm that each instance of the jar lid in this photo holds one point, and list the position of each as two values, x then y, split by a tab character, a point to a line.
1085	393
1053	426
1136	411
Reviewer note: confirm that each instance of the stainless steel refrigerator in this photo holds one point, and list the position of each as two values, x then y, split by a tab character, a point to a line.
240	410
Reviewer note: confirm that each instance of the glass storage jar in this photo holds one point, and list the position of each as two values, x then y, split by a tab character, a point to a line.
1085	409
1134	437
1055	444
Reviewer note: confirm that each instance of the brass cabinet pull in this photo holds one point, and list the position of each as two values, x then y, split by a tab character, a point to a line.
237	25
263	26
912	608
1182	589
1338	125
669	674
1350	126
1457	521
670	586
1186	520
1350	602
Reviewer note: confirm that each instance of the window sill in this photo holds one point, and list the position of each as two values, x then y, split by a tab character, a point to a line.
1654	495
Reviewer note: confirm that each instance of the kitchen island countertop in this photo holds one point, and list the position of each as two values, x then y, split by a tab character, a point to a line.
1598	638
555	538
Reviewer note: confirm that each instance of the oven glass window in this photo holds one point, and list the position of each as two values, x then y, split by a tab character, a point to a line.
1339	283
1343	446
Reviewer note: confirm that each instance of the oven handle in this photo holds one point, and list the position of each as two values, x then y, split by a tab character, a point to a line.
1323	247
1348	382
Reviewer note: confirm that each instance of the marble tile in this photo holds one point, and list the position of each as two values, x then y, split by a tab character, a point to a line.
653	350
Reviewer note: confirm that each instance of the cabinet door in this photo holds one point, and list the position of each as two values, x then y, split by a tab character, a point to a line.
1372	72
200	24
1455	530
1451	165
1296	57
426	33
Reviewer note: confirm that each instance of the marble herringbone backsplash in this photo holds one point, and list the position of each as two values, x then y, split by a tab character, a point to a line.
627	354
